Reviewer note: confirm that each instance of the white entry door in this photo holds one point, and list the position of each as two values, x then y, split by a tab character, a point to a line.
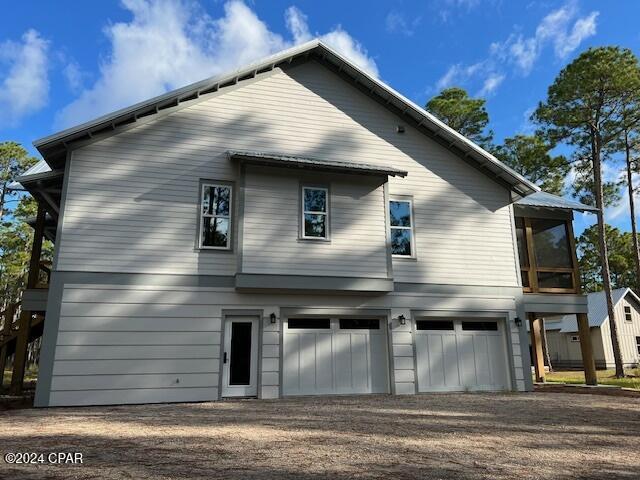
240	357
461	354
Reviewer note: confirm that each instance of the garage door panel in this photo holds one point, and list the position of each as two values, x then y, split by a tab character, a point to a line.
461	359
335	361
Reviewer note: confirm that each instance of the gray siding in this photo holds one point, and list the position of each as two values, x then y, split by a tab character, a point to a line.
140	343
270	243
132	198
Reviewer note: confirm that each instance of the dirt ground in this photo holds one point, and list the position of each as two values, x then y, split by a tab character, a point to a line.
461	436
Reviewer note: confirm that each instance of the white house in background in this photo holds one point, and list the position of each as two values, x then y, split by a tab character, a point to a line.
294	228
564	343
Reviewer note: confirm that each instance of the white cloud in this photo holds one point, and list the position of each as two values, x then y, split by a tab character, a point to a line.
563	29
491	83
170	43
396	22
24	86
74	76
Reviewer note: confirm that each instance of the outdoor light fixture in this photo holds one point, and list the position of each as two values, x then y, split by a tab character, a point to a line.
518	321
402	320
272	317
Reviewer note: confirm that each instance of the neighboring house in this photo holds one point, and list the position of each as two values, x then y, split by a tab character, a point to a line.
564	341
294	228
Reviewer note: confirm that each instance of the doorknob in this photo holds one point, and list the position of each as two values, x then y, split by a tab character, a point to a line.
224	358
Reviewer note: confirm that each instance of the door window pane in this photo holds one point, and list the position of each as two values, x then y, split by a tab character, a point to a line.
480	326
360	323
240	357
434	325
323	323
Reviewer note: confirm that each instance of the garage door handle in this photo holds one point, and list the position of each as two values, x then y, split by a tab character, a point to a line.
224	358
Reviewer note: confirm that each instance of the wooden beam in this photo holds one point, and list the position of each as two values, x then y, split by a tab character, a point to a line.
8	314
24	324
536	344
588	361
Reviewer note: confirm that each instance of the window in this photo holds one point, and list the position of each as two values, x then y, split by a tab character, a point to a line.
434	324
315	212
627	314
480	326
215	217
402	243
359	324
295	323
638	344
546	259
575	338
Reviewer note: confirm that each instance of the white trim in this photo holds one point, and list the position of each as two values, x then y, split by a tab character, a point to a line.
313	212
628	316
411	228
202	216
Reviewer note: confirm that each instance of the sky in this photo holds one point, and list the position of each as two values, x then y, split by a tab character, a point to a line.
65	62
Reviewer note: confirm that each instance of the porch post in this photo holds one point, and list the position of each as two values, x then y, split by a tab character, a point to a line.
536	344
8	314
586	347
24	324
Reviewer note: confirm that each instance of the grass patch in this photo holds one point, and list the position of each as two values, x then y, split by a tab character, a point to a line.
605	377
30	375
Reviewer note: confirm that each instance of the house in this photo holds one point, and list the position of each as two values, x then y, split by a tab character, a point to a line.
294	228
564	342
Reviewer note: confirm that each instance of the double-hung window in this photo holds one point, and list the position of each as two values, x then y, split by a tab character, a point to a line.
627	314
401	219
215	217
315	213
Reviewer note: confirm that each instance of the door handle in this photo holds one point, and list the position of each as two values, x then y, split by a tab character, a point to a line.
224	358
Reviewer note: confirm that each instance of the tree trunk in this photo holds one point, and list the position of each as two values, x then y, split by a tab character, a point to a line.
545	345
604	254
632	209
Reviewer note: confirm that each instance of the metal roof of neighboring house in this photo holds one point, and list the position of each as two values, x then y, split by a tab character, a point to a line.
282	160
549	200
597	311
38	168
53	147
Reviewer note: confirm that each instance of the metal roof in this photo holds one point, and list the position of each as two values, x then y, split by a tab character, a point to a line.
53	147
282	160
38	168
597	315
548	200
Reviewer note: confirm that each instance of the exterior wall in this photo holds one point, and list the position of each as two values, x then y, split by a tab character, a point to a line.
272	222
565	353
150	338
627	333
131	203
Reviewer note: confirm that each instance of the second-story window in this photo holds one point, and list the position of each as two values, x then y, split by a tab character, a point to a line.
401	218
315	213
215	217
627	313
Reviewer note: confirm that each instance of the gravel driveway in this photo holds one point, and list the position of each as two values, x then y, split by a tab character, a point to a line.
461	436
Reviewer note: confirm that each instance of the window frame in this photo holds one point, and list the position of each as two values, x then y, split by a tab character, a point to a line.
638	344
327	229
201	215
532	269
628	316
411	228
575	338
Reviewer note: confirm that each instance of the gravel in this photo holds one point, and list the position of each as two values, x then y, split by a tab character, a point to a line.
446	436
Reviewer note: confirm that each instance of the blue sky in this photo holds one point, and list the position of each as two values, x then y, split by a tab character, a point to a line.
67	61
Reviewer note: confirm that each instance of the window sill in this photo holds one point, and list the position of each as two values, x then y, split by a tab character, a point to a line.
311	239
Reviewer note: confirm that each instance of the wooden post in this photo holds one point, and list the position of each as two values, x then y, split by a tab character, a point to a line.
9	312
587	350
536	344
24	324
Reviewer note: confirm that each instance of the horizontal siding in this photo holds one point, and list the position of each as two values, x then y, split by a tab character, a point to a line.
132	198
272	219
136	345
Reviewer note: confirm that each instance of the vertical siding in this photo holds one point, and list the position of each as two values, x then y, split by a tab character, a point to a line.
272	218
132	198
627	333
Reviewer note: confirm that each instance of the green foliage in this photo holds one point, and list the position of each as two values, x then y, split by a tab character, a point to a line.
529	156
621	260
14	160
468	116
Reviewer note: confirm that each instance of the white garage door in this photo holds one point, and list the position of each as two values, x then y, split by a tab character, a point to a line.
457	355
335	356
